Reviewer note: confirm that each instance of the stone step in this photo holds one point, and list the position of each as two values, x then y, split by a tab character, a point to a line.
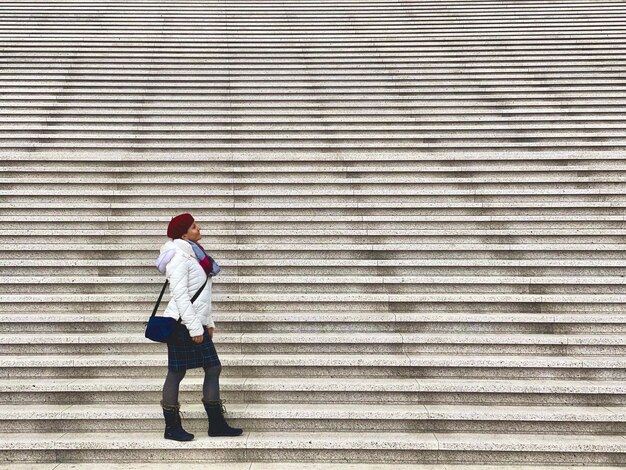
589	41
355	193
247	28
335	8
441	119
325	343
360	13
223	183
335	28
436	61
309	390
179	169
434	42
376	10
256	99
329	32
277	466
367	221
574	236
117	130
15	269
334	101
325	67
316	299
242	248
346	155
333	365
399	319
162	90
591	28
357	188
329	171
437	56
293	284
248	18
311	267
343	263
51	83
266	340
602	236
281	304
555	88
461	145
141	282
228	278
224	466
334	218
572	420
306	132
211	85
322	18
320	446
463	215
321	322
225	226
15	119
248	62
507	44
303	100
142	23
363	39
615	142
518	208
291	69
81	126
451	113
54	79
536	235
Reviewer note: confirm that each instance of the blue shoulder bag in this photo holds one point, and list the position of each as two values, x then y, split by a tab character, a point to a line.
160	329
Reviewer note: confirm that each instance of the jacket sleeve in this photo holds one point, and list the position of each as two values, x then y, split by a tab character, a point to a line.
208	319
204	304
209	322
179	287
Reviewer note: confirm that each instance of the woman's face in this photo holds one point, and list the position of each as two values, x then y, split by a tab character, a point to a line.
193	234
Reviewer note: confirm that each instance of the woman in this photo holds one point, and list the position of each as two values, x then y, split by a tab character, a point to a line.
189	271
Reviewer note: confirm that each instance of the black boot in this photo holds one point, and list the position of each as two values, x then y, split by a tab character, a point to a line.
173	427
217	424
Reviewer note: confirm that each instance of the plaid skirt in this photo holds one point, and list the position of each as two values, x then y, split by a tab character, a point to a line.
183	353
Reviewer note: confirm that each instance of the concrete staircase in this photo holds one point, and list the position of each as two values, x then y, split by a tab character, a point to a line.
419	207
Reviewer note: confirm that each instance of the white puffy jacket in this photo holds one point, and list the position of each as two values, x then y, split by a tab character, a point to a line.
186	276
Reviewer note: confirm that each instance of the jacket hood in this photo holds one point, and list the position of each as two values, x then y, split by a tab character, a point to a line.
171	248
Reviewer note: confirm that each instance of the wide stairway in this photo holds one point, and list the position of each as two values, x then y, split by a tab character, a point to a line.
419	208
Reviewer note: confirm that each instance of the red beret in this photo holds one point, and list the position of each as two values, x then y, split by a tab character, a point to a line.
179	225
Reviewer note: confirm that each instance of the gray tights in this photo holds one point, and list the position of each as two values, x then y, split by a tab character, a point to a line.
210	387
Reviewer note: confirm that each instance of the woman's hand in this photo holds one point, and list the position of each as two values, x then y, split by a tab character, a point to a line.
197	339
210	331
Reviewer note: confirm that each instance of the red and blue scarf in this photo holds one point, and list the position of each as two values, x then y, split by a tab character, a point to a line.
210	266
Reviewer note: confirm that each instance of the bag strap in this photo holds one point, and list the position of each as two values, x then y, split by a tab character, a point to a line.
158	302
193	299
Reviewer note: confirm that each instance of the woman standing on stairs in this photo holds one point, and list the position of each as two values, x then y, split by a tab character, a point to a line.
189	270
